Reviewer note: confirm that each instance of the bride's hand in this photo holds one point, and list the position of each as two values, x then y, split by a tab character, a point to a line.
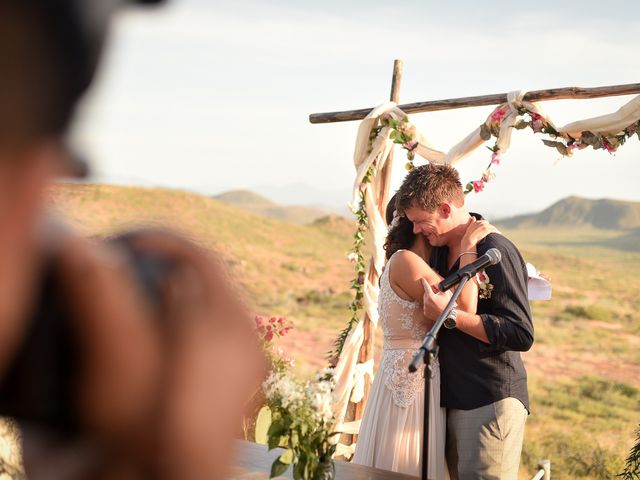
433	301
476	231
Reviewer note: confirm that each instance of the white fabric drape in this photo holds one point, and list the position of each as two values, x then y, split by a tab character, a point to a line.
348	372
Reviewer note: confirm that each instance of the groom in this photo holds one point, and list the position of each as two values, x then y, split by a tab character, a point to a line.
484	383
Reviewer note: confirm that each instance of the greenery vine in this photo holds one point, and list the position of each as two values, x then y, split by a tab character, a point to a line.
632	466
402	133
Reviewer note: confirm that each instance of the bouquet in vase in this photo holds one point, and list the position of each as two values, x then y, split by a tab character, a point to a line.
301	419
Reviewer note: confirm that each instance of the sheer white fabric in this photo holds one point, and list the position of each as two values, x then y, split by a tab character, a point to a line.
391	430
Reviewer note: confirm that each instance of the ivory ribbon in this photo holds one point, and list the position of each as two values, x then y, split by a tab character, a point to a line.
362	370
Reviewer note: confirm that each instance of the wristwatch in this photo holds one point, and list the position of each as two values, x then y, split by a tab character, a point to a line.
450	321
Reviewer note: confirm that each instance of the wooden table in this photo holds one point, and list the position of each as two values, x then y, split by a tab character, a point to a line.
256	457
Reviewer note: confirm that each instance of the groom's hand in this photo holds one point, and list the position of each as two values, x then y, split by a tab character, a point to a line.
433	303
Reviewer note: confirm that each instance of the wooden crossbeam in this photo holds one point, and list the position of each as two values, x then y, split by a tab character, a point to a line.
496	99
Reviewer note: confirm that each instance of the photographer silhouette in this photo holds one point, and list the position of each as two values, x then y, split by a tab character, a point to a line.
129	358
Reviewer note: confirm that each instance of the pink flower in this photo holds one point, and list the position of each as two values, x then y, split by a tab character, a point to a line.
410	145
259	320
269	336
478	185
272	320
482	277
577	145
280	320
495	158
536	117
537	125
608	147
498	114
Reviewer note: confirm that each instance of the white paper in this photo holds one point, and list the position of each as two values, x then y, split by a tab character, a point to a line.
538	288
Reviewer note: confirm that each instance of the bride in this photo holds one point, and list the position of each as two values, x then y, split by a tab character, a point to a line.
390	435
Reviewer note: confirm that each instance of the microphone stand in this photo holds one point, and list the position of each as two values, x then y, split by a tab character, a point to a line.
427	352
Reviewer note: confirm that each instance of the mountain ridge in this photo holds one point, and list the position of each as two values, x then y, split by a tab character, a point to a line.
258	204
603	213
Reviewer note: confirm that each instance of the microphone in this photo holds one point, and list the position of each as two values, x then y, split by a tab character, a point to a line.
492	257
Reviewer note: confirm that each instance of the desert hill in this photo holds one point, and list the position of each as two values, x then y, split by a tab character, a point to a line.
576	211
255	203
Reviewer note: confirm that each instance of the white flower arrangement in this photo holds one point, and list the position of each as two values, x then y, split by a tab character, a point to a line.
302	421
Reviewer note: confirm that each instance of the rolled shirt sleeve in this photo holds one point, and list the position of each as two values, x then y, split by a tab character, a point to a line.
509	324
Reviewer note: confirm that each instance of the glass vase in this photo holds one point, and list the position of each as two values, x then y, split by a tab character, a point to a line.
326	470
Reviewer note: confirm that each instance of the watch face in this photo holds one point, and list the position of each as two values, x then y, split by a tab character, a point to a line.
450	323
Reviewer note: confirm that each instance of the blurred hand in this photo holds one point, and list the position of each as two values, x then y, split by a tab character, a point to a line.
24	175
163	393
213	361
120	349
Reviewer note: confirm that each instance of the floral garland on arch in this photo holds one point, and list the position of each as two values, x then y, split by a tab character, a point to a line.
404	133
564	143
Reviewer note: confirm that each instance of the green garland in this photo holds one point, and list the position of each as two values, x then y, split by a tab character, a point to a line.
402	133
357	284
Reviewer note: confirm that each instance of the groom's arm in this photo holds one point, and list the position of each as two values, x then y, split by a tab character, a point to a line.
508	324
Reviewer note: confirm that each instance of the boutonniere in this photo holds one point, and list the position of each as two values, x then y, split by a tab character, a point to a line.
484	285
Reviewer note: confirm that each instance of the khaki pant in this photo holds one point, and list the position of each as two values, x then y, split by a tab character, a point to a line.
486	443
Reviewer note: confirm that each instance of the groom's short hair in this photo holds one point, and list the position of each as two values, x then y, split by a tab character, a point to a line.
428	186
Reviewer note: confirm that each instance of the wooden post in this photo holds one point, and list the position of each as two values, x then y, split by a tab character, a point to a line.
385	172
384	177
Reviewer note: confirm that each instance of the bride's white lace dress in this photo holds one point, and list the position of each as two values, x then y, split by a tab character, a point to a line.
391	430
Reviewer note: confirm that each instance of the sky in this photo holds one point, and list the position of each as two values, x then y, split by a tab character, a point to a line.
209	96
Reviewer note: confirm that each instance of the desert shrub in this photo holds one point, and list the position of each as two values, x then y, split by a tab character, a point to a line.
590	312
632	466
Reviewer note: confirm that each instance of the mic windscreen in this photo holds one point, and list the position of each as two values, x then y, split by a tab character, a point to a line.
495	255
